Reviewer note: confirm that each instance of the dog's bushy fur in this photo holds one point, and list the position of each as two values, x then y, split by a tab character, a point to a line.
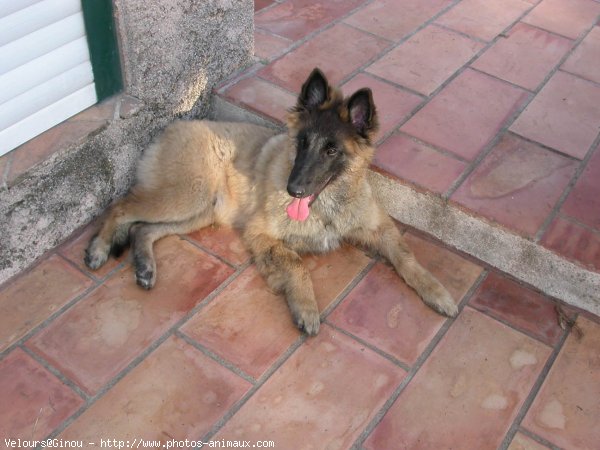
199	173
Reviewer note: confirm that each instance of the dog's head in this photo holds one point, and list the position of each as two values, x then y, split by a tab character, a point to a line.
332	136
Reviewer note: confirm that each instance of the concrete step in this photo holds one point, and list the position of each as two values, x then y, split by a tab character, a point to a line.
521	258
80	173
44	204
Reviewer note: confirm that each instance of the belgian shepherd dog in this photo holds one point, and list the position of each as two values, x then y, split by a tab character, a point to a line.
304	191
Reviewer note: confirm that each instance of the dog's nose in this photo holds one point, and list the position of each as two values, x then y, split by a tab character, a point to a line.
295	191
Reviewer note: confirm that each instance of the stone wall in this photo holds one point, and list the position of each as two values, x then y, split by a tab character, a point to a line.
174	49
173	52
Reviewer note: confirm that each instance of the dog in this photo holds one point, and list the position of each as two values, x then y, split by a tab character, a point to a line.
303	191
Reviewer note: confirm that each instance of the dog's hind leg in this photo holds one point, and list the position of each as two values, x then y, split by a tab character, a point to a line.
143	236
134	207
286	274
389	243
113	234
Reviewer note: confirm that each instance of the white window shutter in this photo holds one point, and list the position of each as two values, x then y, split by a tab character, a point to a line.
45	69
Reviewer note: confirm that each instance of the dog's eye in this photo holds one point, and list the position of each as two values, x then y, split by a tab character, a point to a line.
331	149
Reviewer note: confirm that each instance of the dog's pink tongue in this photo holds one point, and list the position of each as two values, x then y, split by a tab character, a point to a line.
298	208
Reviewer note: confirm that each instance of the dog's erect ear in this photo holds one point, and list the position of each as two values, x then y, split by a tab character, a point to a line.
361	111
315	90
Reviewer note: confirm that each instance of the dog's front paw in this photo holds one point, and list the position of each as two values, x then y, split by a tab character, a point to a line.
96	254
442	302
307	320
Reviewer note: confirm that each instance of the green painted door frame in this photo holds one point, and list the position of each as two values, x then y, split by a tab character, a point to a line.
102	41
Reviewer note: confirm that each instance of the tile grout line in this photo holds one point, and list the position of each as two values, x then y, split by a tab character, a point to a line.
57	373
513	327
538	438
259	30
485	265
462	68
284	357
573	220
27	270
72	264
42	325
278	124
389	47
423	357
78	233
495	77
391	83
217	426
359	69
570	186
510	121
266	61
543	228
122	265
553	213
82	271
266	8
487	148
579	77
545	147
243	73
490	268
349	287
534	390
485	151
92	399
145	353
476	162
391	358
90	275
554	33
465	35
210	252
314	34
215	357
340	20
399	42
383	53
433	147
367	32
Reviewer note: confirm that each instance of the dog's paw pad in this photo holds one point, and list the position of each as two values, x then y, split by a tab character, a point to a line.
448	310
96	254
444	304
145	277
94	260
308	321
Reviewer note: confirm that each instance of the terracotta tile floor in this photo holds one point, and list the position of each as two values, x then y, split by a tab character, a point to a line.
211	353
492	104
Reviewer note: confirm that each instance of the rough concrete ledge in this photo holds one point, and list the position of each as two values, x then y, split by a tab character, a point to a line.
508	252
69	189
